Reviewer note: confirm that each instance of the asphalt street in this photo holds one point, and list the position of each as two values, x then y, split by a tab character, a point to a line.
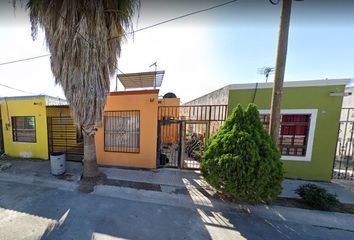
28	211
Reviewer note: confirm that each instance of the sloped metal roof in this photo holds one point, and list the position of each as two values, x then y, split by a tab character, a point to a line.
142	79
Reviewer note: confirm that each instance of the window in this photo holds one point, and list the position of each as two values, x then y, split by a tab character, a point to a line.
296	132
293	133
24	129
122	131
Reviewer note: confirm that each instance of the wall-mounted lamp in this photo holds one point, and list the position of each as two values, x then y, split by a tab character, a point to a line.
340	94
37	103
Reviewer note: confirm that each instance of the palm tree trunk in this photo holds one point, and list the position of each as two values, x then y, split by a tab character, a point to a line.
90	161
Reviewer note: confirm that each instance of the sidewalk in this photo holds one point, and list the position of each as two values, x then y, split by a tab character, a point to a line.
32	171
162	180
171	187
344	195
176	180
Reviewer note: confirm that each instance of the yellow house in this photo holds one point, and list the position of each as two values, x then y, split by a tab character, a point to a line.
24	125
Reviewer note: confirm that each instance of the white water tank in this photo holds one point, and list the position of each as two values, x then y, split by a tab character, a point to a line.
57	163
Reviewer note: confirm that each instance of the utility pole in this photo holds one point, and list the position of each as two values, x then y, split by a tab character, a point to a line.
274	125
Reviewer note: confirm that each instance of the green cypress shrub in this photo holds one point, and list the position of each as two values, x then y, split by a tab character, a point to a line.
241	159
317	197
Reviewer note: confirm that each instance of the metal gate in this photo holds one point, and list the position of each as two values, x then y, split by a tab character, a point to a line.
183	132
343	166
169	143
63	136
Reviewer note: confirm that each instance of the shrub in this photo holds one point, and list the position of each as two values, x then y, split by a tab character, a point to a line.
317	197
241	160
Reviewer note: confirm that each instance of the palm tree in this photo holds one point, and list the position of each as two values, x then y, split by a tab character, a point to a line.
84	39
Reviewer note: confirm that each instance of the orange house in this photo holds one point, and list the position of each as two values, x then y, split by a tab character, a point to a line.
128	136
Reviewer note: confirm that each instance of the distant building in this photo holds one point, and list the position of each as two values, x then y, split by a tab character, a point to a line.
348	101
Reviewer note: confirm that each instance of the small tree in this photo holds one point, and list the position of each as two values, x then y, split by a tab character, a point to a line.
241	160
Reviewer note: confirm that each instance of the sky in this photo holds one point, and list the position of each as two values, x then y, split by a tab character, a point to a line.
203	52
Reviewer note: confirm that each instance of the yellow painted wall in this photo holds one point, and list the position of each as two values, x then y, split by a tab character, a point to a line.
25	107
146	103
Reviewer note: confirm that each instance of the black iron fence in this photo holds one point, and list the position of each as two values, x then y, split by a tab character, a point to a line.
63	136
183	132
343	166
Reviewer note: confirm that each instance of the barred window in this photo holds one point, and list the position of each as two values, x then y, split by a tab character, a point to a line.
122	131
24	129
293	136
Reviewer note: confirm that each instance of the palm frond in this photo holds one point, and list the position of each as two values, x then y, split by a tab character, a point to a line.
82	56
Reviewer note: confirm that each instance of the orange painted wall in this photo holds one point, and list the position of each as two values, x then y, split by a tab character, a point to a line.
146	101
169	133
169	102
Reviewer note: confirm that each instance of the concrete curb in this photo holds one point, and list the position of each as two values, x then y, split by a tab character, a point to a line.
330	220
196	200
40	181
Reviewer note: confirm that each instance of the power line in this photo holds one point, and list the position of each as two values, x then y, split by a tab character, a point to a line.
15	89
175	18
80	35
86	40
25	59
138	30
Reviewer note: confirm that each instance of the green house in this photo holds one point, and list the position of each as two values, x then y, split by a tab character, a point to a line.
309	124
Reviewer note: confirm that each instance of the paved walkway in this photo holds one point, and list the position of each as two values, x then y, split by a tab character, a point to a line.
345	195
164	179
171	179
40	168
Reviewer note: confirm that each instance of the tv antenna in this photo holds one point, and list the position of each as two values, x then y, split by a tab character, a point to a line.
266	71
154	64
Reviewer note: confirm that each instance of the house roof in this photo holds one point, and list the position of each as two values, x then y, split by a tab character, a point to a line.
137	92
309	83
141	79
49	100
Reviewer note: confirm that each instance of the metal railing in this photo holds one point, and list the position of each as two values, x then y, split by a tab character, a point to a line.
184	130
343	166
63	136
122	131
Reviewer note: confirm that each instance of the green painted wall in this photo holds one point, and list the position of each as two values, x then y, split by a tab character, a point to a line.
329	108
